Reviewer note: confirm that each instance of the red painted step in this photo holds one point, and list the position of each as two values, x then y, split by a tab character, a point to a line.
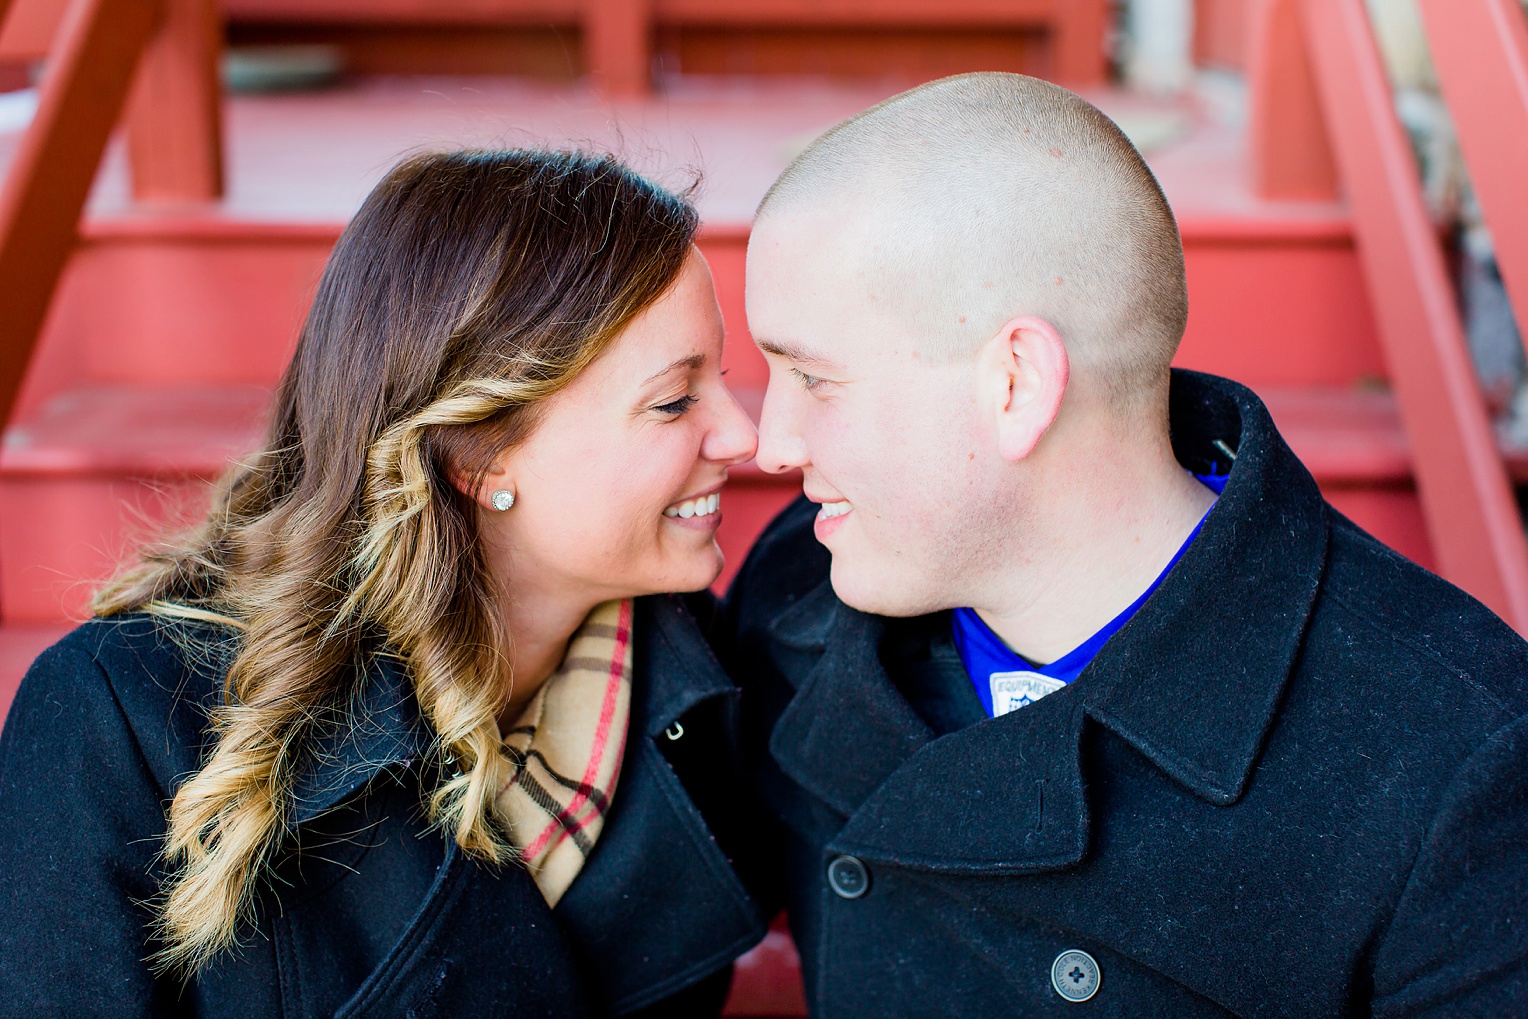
97	467
767	981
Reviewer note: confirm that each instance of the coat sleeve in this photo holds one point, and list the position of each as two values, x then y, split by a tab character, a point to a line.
81	821
1458	945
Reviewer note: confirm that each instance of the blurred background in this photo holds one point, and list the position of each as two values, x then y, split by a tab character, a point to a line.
1348	177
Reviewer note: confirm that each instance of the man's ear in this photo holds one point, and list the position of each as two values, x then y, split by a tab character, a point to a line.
1024	371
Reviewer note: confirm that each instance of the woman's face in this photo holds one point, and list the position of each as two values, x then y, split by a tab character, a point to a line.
618	489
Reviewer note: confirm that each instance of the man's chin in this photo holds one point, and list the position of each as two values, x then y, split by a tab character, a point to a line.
878	592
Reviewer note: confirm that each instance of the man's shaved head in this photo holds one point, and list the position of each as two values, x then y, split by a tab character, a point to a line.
975	199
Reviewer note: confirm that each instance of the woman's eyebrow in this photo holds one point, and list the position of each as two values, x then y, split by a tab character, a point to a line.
694	362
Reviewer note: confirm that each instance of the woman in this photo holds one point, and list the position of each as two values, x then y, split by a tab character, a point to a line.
408	726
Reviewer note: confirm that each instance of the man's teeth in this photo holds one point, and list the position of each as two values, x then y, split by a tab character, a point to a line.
833	509
702	507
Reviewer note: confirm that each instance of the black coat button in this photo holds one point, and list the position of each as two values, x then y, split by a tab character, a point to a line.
1075	975
848	877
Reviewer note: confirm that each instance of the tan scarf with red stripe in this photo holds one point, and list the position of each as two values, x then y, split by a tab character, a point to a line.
567	748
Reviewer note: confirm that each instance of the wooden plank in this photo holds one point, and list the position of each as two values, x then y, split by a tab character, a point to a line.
50	176
27	28
175	111
431	12
709	12
1480	50
618	46
1291	156
1472	517
865	13
1078	30
1222	32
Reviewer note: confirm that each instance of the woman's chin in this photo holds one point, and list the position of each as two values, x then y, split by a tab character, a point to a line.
697	571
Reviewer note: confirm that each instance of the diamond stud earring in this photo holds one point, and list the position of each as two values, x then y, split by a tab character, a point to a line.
503	499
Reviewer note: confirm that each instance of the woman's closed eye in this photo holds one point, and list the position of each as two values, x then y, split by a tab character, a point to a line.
679	406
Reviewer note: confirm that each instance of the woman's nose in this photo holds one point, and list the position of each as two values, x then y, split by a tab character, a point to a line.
733	439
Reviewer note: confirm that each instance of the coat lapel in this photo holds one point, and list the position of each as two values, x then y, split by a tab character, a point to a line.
657	906
1004	796
674	662
381	728
848	728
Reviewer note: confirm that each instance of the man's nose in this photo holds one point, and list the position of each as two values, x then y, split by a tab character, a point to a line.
781	445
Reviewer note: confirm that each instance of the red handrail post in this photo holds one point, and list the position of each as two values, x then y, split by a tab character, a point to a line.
618	47
90	69
1472	517
1291	155
1078	30
1480	50
175	111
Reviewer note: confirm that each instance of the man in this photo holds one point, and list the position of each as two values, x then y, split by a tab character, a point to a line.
1068	688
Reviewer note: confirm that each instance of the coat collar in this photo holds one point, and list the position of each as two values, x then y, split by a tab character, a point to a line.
381	729
1193	681
673	667
673	662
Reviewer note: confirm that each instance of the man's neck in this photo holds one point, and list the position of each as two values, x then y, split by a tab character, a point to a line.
1090	563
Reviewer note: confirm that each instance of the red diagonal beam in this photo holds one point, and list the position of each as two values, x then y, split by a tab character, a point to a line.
89	71
1472	518
175	113
1291	154
1480	48
618	46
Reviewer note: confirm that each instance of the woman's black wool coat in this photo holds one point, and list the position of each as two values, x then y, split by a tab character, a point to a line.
370	912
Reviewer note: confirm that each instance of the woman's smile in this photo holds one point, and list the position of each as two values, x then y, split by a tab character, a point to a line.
698	512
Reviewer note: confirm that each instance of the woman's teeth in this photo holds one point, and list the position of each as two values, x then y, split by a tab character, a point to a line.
833	509
702	507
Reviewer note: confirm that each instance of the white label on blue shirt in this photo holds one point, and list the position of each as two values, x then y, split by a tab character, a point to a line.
1014	690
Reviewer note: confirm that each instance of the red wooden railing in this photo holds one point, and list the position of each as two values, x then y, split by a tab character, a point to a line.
619	35
1323	110
175	143
1480	50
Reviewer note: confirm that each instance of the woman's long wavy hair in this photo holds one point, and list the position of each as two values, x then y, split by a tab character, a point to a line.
470	287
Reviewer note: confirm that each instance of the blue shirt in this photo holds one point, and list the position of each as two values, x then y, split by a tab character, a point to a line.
1005	681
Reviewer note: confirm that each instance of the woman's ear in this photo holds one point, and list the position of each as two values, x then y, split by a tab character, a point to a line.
1024	372
495	480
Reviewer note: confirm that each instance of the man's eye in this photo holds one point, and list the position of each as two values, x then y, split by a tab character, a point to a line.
679	406
808	381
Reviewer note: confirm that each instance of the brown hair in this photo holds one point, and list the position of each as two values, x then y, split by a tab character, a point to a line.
469	287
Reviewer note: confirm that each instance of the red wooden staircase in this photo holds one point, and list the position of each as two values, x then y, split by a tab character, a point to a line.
150	305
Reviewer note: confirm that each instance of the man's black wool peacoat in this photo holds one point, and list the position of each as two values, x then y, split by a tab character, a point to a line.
370	911
1294	784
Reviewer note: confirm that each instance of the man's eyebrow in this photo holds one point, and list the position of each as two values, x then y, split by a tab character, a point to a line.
694	362
794	352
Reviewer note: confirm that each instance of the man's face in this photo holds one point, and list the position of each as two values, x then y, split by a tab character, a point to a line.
884	427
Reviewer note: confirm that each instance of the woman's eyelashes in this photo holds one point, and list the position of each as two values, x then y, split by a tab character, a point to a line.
679	406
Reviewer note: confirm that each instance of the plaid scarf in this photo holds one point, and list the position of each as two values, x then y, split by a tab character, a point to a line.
567	748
